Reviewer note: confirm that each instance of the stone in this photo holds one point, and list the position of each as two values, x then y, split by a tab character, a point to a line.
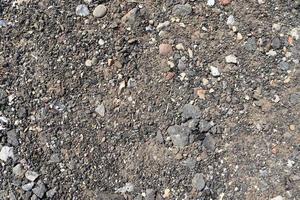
182	10
3	96
190	163
163	25
88	63
150	194
100	11
214	71
12	138
101	42
28	186
6	152
82	10
159	137
31	175
230	20
276	27
251	44
179	135
211	2
239	37
190	111
179	46
51	193
295	33
3	23
198	182
131	83
209	142
231	59
18	171
54	158
129	187
204	126
40	189
192	124
261	1
165	49
277	198
100	109
283	65
225	2
295	98
276	44
130	17
181	65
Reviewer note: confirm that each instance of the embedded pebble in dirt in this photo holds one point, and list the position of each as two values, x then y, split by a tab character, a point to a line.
149	100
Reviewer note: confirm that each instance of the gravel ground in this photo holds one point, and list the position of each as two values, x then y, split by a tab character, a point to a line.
150	99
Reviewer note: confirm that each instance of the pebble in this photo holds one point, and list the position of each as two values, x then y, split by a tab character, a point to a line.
179	46
12	138
271	53
165	49
130	17
129	187
190	163
88	1
51	193
181	65
82	10
6	152
100	109
150	194
204	126
18	170
192	124
100	11
131	83
182	10
292	127
261	1
40	189
225	2
276	27
28	186
251	44
209	142
54	158
276	44
3	23
101	42
231	59
295	33
283	65
179	135
31	175
165	24
295	98
198	182
190	111
88	63
230	20
214	71
277	198
239	36
211	2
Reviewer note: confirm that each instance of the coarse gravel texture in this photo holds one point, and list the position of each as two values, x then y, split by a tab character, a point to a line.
132	99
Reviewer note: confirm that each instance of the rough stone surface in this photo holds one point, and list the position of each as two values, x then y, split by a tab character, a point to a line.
179	135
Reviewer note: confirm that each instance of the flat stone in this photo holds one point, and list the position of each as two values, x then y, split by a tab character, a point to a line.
190	111
6	152
28	186
231	59
40	189
12	138
179	135
82	10
198	182
31	175
181	65
100	11
100	109
182	10
165	49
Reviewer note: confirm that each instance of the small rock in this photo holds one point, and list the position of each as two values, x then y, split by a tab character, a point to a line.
295	33
165	49
231	59
276	44
159	137
261	1
6	152
210	2
239	37
182	10
101	42
179	135
31	175
100	110
34	197
150	194
295	98
130	17
190	163
277	198
40	189
230	20
12	138
198	182
51	193
214	71
131	83
3	23
204	126
54	158
88	63
190	111
276	27
181	65
18	170
179	46
82	10
251	44
100	11
225	2
129	187
271	53
160	26
88	1
209	142
292	127
28	186
283	65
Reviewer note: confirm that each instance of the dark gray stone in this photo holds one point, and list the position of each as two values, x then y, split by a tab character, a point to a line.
12	137
276	43
179	135
3	97
209	142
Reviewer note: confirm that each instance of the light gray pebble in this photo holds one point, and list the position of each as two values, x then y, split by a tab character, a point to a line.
18	170
6	152
283	65
40	189
31	175
82	10
190	111
214	71
276	43
51	193
100	109
210	2
150	194
181	65
12	137
54	158
179	135
100	11
28	186
295	98
251	44
198	182
190	163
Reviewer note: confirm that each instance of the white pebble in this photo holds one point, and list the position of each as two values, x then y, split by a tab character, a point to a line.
211	2
214	71
6	152
230	20
82	10
231	59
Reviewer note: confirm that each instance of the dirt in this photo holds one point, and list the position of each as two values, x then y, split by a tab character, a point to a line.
54	74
